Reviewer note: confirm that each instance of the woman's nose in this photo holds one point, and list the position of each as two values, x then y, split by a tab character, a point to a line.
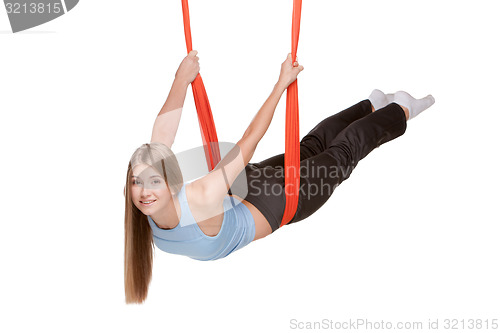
145	191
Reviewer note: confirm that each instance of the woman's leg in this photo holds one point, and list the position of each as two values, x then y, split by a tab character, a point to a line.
322	173
316	141
327	159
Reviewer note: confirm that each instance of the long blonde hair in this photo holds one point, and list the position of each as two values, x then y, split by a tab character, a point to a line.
139	243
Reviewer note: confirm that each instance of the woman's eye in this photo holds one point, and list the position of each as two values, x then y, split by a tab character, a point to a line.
135	182
157	182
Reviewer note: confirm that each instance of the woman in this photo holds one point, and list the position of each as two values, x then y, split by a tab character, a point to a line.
200	219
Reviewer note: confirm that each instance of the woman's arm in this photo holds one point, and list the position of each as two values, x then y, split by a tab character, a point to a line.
167	121
260	123
216	184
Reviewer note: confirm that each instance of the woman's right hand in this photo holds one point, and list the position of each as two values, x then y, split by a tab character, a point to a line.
289	72
189	68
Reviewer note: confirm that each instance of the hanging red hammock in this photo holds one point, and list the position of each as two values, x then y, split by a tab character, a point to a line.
292	142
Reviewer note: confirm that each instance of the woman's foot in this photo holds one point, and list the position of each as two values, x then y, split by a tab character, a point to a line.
378	99
415	106
411	106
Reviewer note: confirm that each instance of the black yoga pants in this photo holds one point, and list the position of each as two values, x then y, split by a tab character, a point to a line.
328	154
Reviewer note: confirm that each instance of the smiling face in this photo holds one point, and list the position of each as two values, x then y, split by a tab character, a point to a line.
150	194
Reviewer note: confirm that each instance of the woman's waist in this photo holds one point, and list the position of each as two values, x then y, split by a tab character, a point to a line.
262	225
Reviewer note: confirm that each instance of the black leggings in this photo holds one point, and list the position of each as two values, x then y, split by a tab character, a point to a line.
328	154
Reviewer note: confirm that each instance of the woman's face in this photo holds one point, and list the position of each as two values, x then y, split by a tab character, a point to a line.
150	193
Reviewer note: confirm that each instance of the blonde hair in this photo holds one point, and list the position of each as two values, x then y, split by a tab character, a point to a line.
139	245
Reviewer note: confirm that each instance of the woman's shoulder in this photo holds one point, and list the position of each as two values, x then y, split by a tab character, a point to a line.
193	192
201	207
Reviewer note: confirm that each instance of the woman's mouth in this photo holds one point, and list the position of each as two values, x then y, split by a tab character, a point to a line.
147	203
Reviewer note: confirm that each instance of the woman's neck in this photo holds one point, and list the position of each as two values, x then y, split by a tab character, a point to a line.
169	217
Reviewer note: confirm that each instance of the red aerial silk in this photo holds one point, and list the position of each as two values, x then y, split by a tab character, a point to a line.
292	143
205	118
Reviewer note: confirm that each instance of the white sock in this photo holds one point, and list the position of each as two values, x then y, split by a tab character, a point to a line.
415	106
390	98
378	99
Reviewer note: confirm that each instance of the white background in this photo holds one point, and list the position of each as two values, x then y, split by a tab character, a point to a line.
412	235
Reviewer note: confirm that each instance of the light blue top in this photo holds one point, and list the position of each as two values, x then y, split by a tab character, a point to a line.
237	230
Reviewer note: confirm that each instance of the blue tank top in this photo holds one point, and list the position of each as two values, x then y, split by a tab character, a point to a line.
237	230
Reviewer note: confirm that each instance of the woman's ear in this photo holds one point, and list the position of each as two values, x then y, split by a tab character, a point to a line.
124	188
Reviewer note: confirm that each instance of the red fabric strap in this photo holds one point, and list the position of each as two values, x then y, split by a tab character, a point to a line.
292	141
205	118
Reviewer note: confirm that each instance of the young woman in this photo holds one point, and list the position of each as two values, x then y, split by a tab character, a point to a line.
200	219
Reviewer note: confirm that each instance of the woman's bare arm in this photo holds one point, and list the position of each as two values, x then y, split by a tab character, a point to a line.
260	123
167	121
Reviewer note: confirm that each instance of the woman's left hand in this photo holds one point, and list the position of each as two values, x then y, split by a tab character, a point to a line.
289	71
189	68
